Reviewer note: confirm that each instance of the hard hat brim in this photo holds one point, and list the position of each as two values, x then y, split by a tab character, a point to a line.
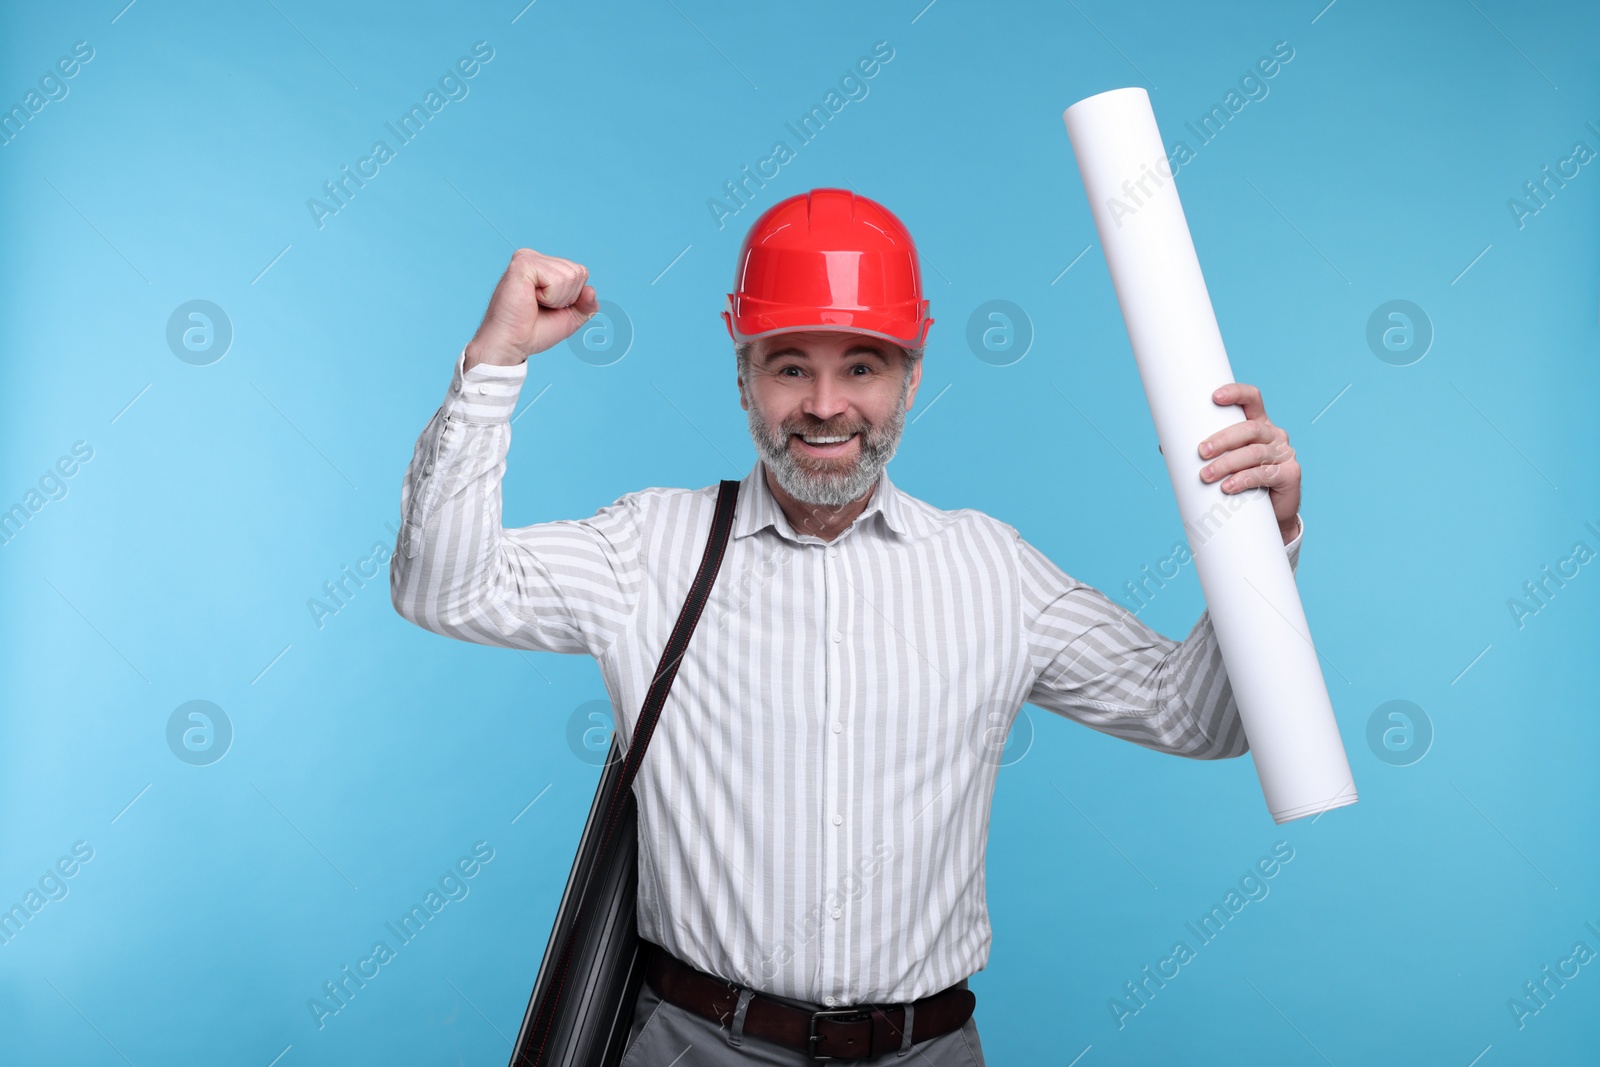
749	328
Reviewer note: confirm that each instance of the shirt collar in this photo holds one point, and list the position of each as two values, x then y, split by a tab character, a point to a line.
758	508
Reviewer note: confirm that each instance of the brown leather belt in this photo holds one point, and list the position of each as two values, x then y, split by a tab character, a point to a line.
859	1032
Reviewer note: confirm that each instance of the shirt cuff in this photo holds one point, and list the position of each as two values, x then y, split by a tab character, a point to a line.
486	394
1292	546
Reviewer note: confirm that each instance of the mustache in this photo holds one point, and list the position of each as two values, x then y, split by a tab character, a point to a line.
825	429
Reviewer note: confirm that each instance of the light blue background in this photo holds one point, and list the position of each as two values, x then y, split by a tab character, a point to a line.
371	755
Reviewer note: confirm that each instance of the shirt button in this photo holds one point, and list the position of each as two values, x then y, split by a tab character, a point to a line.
483	390
833	551
837	818
829	1001
838	726
837	912
427	468
837	636
456	385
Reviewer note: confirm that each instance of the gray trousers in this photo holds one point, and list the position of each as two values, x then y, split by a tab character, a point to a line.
665	1035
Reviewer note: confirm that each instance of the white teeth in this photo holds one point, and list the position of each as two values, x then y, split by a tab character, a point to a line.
826	440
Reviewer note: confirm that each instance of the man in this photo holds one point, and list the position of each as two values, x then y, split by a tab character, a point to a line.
814	805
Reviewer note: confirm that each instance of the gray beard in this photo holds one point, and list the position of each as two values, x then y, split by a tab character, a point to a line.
822	482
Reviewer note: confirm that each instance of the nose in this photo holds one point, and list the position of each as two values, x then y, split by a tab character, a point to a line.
825	400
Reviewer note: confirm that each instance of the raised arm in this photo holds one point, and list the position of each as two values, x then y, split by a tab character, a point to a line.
565	586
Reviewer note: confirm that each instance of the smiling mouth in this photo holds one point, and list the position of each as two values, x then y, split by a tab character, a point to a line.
824	444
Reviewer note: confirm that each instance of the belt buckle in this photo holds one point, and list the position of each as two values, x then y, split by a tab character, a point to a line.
832	1013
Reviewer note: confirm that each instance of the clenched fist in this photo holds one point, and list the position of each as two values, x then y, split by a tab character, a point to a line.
540	302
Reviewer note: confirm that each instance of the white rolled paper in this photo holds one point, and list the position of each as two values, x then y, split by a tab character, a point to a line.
1244	572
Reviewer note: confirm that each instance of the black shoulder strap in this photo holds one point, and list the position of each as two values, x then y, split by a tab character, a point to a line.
677	644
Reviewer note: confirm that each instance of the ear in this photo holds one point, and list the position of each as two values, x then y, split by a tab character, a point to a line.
916	380
744	398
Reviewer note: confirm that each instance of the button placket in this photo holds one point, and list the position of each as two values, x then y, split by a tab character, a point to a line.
833	761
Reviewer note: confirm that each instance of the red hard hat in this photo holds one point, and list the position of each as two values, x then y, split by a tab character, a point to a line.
828	260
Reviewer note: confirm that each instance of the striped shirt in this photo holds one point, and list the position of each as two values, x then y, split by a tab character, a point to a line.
814	805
